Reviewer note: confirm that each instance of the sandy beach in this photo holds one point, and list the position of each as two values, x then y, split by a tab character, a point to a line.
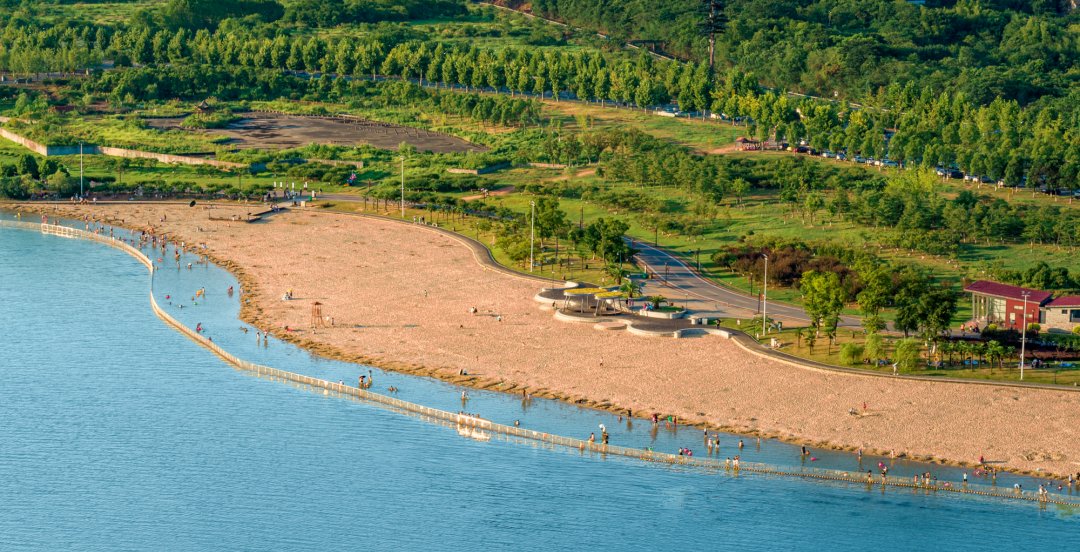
400	296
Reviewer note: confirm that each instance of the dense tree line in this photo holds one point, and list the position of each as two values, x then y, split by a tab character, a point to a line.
1036	145
986	49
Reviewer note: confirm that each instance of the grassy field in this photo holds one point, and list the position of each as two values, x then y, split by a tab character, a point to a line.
101	13
698	135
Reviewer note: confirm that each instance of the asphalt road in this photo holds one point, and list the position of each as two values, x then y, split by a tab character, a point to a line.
681	277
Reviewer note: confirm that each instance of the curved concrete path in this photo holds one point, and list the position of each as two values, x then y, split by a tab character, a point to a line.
676	274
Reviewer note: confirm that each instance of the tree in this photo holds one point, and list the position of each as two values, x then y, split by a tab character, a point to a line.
739	187
823	299
814	202
907	354
27	165
936	309
851	353
995	352
875	295
875	347
630	289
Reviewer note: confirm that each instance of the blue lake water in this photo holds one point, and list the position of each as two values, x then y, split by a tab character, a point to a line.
118	433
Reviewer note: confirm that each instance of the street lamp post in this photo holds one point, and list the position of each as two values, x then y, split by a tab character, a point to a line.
80	170
765	293
1023	334
532	232
403	187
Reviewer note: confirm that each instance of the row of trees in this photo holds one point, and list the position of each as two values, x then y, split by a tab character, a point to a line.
853	48
1036	145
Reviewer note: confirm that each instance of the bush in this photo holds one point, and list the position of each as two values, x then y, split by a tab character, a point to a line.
875	347
851	353
907	354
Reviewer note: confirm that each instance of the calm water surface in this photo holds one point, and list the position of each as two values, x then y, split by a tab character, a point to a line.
117	433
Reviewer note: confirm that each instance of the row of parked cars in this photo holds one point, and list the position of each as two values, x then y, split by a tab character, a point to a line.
841	156
944	172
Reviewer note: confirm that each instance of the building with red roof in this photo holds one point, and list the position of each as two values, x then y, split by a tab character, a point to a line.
1005	305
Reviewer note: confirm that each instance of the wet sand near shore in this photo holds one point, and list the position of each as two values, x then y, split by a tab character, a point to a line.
400	297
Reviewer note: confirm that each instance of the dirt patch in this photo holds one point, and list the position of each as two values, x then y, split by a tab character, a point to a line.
275	131
730	148
500	192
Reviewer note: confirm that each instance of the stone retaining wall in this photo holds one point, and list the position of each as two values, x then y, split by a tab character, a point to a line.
89	149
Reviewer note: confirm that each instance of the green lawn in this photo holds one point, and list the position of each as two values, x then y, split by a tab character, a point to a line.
696	134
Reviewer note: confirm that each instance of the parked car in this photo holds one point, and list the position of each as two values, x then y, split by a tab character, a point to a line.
888	163
841	157
860	159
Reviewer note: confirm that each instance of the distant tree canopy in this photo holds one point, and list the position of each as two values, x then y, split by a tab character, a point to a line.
206	14
1014	49
327	13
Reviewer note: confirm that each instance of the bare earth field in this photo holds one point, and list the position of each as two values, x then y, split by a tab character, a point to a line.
275	131
401	295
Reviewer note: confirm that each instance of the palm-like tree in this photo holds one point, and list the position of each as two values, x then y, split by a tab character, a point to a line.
948	348
964	348
979	350
616	272
994	353
630	289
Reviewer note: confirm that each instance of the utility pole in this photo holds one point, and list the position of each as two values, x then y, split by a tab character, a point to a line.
765	293
81	194
403	187
1023	334
532	232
